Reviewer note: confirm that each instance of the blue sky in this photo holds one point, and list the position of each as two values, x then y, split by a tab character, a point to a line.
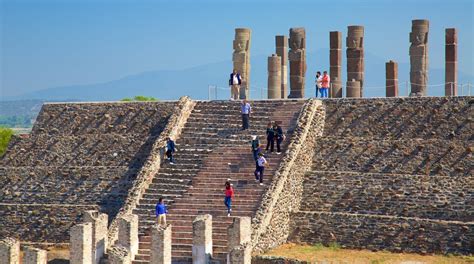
46	43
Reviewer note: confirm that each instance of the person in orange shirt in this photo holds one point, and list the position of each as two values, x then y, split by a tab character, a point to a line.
325	85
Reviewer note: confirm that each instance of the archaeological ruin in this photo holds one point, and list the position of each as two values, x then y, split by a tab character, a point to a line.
390	173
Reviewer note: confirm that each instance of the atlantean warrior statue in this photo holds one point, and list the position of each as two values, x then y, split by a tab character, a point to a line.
419	57
241	59
297	57
355	57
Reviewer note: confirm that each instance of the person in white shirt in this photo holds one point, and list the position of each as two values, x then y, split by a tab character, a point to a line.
261	162
245	110
234	82
319	80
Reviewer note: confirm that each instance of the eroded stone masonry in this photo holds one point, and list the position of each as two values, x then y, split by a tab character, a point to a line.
384	174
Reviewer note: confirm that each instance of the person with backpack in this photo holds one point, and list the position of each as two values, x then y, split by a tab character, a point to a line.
229	193
261	162
170	149
161	211
270	137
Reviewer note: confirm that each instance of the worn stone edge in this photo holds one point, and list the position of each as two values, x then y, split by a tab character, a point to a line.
264	214
173	129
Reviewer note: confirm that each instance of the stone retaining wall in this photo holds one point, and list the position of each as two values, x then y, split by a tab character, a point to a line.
152	164
398	234
434	197
271	222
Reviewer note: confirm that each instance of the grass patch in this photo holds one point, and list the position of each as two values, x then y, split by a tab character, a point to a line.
5	136
334	253
140	98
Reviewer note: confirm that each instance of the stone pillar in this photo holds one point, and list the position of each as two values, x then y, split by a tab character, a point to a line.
239	232
9	251
119	255
241	59
274	77
355	55
99	223
202	239
451	67
297	57
128	233
81	244
335	62
391	79
161	244
419	57
282	51
241	254
353	88
35	256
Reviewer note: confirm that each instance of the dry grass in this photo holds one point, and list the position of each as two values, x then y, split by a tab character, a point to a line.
334	254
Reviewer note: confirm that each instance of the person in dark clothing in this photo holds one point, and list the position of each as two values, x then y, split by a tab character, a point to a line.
170	149
270	137
261	162
255	147
279	136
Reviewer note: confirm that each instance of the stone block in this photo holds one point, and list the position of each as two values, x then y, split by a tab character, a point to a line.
336	88
418	51
239	232
391	70
335	71
354	53
81	244
297	68
34	256
9	251
451	52
335	57
355	65
355	75
353	89
296	56
99	223
241	254
161	244
274	63
128	233
119	255
451	36
202	239
335	40
281	41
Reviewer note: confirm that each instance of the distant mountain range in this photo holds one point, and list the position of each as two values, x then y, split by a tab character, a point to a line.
194	82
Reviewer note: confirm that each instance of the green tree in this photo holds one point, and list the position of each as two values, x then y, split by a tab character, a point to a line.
5	136
140	98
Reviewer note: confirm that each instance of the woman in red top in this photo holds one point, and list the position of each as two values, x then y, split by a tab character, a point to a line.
229	193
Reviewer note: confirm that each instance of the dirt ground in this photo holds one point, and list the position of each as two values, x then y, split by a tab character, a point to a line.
334	254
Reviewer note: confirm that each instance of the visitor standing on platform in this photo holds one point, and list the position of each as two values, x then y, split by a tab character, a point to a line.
234	82
229	193
261	162
325	85
245	110
318	81
161	211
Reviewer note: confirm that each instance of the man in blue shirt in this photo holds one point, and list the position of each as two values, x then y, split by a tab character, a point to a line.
161	211
245	110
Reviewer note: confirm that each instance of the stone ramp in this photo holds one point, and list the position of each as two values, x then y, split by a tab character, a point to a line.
391	174
79	156
212	148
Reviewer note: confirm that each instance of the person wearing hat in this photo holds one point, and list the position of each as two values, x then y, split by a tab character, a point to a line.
255	147
170	148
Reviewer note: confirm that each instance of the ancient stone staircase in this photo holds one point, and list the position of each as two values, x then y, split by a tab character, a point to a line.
212	149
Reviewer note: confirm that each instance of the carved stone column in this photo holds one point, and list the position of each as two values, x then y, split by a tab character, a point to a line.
419	57
355	55
282	51
391	79
297	57
335	62
241	59
274	77
451	67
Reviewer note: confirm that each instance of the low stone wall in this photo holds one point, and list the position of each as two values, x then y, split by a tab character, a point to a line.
271	222
152	164
277	260
28	222
433	197
404	156
398	234
397	117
